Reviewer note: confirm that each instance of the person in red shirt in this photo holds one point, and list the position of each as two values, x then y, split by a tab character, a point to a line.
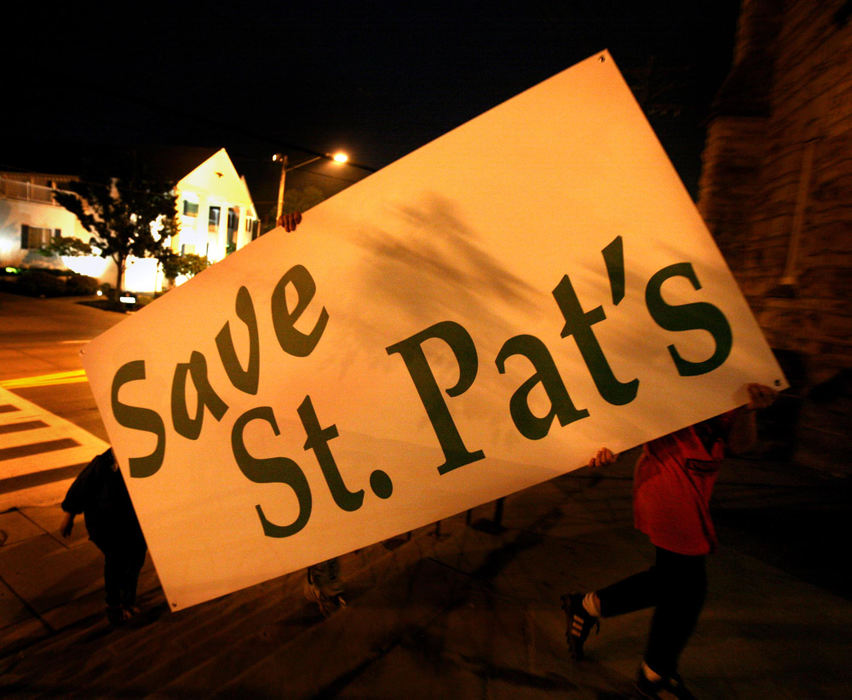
672	484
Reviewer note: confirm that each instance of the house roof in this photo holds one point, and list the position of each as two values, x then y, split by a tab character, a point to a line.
218	175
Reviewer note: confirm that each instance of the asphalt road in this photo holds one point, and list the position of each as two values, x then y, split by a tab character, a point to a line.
41	337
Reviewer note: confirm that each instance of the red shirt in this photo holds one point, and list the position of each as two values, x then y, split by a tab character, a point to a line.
672	485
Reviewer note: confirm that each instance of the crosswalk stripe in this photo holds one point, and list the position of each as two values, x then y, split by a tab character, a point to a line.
46	433
16	483
46	461
35	448
23	425
39	452
25	411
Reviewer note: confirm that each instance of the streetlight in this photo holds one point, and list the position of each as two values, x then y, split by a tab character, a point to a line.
338	157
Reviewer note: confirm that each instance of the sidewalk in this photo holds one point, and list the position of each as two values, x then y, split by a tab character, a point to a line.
458	613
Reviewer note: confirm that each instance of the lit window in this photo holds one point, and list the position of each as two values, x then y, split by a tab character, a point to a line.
213	219
35	237
233	227
251	227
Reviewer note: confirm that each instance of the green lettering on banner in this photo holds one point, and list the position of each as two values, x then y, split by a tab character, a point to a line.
529	425
579	324
292	341
613	255
207	396
247	379
138	418
459	340
687	317
318	439
271	470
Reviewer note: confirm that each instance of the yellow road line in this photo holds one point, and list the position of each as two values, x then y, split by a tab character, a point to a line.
72	377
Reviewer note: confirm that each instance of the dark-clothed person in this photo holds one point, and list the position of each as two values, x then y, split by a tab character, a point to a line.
100	494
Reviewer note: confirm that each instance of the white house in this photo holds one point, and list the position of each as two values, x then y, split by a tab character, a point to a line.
29	218
216	216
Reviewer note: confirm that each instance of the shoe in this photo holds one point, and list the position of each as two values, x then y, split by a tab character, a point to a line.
671	687
327	603
117	615
578	623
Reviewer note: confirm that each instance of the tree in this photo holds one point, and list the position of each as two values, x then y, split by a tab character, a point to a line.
124	217
296	199
175	265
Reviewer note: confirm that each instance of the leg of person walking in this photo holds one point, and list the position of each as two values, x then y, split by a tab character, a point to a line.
132	564
113	580
583	611
682	586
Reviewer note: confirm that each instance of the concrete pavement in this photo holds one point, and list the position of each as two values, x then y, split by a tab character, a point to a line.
461	612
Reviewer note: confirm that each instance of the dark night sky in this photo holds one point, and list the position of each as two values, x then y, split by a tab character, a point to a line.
377	79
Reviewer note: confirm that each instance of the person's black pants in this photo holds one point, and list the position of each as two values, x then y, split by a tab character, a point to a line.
123	560
675	587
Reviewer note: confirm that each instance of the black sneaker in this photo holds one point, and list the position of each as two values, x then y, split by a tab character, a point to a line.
578	623
671	687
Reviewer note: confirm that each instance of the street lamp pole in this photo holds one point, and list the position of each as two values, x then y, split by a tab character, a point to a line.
281	185
282	158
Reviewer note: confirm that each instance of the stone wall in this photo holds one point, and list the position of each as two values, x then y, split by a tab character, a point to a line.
776	191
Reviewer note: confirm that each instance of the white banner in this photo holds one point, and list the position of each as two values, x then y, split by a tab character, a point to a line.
476	318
